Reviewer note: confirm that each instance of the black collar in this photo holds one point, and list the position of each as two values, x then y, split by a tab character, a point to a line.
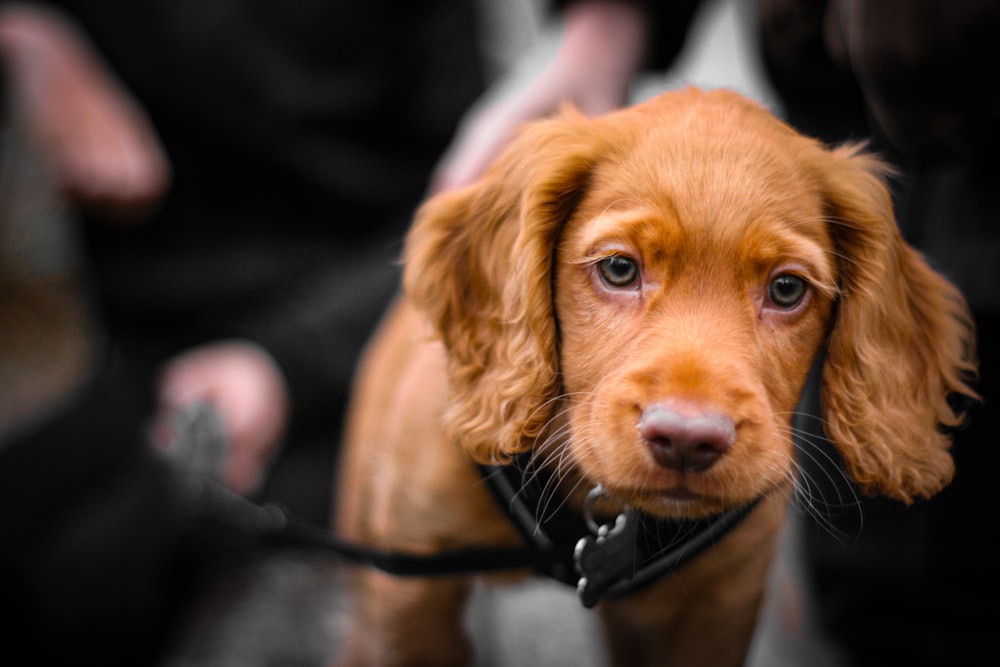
602	561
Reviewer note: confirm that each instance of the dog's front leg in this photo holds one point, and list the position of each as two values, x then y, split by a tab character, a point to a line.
704	613
638	635
403	621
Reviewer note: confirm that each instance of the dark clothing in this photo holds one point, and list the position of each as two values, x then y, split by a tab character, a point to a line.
302	134
102	555
912	82
896	584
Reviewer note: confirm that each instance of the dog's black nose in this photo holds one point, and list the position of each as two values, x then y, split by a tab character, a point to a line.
690	441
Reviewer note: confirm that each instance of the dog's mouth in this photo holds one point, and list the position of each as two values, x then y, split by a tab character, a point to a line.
676	502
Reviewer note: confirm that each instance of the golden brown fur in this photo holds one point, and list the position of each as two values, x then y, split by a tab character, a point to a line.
519	332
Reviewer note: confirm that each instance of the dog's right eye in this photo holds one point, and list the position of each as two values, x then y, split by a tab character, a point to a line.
787	291
618	270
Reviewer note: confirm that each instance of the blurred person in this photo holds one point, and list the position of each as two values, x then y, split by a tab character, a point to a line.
242	174
892	584
895	584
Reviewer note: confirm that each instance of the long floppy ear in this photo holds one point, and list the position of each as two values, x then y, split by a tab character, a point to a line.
901	347
478	264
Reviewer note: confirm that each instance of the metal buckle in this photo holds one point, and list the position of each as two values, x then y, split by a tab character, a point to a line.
606	557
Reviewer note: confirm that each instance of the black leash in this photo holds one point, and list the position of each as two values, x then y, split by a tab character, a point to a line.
273	525
197	454
602	560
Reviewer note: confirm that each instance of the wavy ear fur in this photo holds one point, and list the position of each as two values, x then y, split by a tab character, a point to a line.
902	343
478	264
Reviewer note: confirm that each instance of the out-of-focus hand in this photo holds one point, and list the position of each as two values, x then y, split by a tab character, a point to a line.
602	47
101	146
247	389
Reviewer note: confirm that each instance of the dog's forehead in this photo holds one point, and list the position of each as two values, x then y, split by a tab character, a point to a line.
720	168
720	156
707	184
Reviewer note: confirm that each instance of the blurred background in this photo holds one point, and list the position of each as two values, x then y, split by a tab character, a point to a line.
287	607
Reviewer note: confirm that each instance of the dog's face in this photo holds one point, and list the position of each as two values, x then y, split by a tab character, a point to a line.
642	296
690	305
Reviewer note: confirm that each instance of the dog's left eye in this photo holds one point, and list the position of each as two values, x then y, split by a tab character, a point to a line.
618	270
786	291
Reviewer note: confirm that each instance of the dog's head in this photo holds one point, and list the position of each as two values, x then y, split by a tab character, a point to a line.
646	291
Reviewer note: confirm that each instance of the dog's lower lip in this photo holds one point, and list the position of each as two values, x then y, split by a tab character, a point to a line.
676	495
679	495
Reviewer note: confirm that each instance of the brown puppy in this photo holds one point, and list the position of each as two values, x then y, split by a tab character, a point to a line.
637	299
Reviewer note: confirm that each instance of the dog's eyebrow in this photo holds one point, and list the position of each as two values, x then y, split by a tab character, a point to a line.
796	249
623	225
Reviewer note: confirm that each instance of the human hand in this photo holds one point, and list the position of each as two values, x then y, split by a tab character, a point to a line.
102	149
601	49
244	385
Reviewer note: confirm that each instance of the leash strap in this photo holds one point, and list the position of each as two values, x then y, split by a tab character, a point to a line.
196	455
273	525
602	561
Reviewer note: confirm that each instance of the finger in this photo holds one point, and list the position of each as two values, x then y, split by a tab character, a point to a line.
244	470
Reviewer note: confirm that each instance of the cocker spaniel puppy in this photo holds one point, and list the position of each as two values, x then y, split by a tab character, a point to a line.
627	307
